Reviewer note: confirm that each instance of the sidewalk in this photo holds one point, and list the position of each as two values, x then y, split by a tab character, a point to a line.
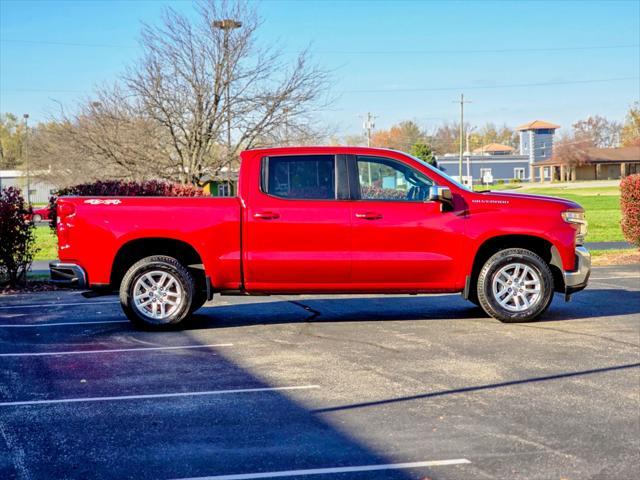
571	185
608	245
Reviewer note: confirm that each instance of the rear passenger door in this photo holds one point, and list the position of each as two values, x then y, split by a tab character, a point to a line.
298	226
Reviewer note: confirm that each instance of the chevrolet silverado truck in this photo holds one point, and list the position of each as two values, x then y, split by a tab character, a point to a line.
318	220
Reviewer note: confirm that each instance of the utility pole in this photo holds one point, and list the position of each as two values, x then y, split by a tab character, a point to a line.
369	125
469	177
462	102
25	153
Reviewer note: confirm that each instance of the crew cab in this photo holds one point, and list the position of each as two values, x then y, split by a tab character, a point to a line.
317	220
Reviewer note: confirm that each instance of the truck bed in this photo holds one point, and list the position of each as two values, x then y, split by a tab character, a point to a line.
99	227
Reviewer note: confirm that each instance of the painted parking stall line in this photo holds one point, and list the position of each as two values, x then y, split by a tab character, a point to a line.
629	277
114	350
157	395
57	324
335	470
69	304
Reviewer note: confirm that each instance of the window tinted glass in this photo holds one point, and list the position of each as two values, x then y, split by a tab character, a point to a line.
384	179
302	176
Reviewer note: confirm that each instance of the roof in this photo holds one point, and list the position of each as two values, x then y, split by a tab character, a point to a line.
321	149
494	147
603	155
538	125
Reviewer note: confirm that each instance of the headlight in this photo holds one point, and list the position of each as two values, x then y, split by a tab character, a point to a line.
577	218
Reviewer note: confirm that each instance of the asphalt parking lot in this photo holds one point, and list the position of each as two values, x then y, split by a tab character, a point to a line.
396	387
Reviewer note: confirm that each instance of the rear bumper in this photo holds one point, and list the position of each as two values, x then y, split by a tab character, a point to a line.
67	274
577	279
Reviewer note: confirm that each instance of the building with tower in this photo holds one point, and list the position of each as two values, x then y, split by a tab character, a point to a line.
501	162
536	142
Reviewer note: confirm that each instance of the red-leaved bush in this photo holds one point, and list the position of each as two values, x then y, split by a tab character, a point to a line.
120	188
17	246
630	203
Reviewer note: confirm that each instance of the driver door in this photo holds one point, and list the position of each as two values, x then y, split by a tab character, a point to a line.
400	241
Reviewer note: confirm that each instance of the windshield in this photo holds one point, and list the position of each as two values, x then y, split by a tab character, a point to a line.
440	172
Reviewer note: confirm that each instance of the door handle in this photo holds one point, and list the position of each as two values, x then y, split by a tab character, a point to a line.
266	215
369	215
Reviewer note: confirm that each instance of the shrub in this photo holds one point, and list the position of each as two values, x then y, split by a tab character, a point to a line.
120	188
630	203
17	246
500	182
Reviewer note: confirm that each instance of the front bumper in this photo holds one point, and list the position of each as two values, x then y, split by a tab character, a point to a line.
67	274
576	280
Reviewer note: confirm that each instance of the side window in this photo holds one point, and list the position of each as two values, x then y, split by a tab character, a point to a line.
310	177
385	179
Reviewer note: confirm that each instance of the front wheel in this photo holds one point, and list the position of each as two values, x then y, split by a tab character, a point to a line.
515	285
157	292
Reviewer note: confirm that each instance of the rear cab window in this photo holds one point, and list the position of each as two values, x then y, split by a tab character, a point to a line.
303	177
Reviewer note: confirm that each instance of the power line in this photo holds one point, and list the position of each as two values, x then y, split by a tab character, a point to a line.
485	87
357	52
66	44
493	50
433	89
41	90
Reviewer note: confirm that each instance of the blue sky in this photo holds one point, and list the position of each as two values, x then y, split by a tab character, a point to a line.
399	60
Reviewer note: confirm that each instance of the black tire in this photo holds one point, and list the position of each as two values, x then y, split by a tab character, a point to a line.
163	264
199	299
491	269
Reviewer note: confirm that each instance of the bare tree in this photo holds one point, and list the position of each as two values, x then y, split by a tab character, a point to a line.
169	114
599	131
106	138
572	152
196	78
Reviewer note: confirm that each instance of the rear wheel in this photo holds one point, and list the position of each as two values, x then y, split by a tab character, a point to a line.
157	292
37	218
515	285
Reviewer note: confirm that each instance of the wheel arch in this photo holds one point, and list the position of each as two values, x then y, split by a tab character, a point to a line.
539	245
139	248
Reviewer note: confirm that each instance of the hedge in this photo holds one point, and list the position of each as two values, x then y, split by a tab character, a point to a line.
17	240
630	204
119	188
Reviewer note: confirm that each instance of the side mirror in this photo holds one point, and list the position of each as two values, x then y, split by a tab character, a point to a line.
440	194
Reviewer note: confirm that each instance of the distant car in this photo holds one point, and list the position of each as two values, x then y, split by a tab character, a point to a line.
40	214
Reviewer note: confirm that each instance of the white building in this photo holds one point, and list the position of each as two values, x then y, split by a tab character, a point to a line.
40	191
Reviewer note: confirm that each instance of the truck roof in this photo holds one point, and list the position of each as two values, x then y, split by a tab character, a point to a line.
345	149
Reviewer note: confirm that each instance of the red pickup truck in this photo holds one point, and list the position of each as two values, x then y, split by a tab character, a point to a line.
313	220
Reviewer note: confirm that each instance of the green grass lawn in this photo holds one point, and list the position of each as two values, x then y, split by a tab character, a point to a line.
47	243
602	207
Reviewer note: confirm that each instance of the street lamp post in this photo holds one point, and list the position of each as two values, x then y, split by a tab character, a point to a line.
226	26
25	150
